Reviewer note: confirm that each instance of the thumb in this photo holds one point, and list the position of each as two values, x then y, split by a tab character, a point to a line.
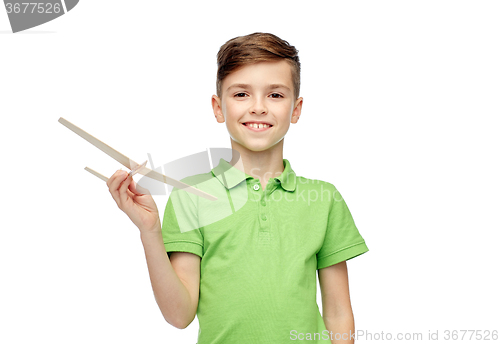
137	189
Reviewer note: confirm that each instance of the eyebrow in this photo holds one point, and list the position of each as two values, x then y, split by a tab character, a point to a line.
271	86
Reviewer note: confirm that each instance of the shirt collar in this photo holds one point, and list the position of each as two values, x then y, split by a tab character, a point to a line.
230	176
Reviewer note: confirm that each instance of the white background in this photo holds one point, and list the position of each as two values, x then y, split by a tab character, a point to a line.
400	113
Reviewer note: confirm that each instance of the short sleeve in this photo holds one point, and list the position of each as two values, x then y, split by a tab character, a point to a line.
180	229
342	239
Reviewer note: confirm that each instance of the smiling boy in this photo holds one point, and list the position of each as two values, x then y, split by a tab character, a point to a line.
247	266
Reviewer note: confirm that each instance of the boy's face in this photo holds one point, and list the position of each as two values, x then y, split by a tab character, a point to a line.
261	92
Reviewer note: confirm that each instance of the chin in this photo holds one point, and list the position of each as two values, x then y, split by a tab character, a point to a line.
254	145
254	149
257	148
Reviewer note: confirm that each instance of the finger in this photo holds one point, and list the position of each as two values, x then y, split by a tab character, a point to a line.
137	189
110	179
115	181
109	183
123	190
131	194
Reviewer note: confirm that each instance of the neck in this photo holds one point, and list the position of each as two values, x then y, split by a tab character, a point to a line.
262	165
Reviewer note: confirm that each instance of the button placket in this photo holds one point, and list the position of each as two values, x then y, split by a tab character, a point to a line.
260	195
264	213
264	230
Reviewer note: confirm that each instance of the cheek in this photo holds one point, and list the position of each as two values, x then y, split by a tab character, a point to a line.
282	107
284	111
232	110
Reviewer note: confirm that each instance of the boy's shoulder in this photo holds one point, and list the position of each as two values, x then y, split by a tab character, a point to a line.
314	183
316	190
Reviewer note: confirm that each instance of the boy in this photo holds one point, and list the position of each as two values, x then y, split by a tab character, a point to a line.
246	263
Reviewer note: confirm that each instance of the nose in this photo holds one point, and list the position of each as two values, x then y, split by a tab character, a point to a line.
258	106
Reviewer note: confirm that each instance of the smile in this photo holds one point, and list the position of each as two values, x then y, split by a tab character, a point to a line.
256	127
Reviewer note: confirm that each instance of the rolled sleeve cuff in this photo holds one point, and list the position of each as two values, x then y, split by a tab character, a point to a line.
342	255
184	246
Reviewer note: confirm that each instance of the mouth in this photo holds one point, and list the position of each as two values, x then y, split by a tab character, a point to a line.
257	127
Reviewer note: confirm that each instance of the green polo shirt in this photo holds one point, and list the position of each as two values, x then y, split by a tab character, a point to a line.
260	250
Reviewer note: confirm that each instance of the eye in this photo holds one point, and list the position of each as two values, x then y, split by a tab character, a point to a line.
241	94
276	94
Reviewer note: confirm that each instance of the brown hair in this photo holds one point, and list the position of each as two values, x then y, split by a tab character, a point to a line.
256	47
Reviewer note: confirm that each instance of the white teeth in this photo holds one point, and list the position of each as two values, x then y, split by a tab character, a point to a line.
258	126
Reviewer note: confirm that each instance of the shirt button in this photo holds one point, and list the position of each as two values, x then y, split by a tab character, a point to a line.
263	203
256	187
264	217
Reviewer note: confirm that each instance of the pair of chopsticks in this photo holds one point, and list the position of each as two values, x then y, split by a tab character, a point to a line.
130	164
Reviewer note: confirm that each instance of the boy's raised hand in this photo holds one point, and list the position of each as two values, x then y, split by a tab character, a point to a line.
139	207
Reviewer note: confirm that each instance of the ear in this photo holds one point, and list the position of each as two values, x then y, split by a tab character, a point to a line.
297	110
217	107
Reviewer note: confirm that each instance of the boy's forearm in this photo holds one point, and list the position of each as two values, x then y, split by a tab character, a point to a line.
341	329
170	293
